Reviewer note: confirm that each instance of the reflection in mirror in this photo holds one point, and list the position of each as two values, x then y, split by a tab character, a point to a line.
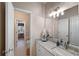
74	30
63	29
68	29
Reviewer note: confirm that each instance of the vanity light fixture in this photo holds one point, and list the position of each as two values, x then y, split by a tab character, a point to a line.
56	13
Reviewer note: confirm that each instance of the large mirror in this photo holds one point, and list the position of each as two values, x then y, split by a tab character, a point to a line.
68	26
74	30
68	29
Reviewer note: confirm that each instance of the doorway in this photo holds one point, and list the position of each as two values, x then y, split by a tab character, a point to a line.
22	33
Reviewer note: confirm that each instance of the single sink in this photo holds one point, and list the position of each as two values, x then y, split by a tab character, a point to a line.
70	51
61	52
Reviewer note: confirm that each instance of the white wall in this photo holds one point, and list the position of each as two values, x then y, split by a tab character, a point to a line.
37	21
9	29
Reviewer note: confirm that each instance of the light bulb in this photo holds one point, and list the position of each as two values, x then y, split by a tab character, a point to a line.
54	16
51	14
57	14
62	13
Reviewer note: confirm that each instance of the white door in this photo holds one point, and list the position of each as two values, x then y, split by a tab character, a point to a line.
63	29
9	29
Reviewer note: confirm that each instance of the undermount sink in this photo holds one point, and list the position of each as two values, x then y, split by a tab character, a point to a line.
61	51
68	50
72	51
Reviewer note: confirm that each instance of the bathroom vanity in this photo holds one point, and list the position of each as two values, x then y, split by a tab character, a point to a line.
49	48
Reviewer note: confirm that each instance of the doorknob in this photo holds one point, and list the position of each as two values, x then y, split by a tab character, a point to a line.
10	49
7	51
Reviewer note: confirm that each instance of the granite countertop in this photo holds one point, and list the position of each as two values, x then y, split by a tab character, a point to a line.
53	49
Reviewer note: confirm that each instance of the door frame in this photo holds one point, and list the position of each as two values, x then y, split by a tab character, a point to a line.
8	50
25	11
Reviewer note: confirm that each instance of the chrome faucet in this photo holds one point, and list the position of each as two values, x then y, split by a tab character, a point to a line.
66	45
62	43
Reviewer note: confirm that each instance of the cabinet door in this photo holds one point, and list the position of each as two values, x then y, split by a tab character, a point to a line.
41	51
44	52
63	29
37	48
74	30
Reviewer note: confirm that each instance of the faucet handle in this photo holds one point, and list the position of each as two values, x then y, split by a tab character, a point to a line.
66	44
61	41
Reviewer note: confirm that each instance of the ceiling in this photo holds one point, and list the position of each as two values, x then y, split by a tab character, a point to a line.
63	5
50	6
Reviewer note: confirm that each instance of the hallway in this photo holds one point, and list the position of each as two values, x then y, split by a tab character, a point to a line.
21	44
